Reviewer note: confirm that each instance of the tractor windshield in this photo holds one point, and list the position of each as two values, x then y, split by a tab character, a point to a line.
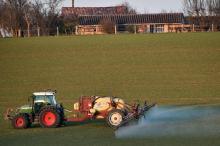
45	99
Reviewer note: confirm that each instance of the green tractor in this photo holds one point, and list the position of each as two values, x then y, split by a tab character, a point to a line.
42	109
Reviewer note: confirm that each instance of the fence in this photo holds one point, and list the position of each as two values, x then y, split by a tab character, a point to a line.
37	32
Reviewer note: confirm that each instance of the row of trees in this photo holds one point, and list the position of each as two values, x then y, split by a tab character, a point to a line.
205	14
44	15
16	15
202	7
28	17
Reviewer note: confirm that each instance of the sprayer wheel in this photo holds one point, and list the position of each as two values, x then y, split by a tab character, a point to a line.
20	121
115	118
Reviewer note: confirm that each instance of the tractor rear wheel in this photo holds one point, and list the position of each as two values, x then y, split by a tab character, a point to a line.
20	121
115	118
49	118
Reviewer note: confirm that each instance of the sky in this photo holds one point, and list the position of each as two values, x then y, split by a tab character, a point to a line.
141	6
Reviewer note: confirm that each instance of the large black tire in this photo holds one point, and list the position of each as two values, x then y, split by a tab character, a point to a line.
115	118
49	118
21	121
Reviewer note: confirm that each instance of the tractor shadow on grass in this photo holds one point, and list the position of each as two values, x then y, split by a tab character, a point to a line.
96	123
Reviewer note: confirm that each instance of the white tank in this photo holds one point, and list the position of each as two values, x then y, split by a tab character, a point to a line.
105	103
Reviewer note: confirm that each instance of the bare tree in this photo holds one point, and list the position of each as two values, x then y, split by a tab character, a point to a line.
194	7
1	12
7	16
38	12
52	17
39	16
201	7
203	13
28	15
53	5
70	23
210	7
129	9
15	13
108	25
217	7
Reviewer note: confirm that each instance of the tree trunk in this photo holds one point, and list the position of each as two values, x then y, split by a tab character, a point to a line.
28	29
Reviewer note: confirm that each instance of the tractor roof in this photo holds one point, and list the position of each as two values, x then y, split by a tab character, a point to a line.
44	93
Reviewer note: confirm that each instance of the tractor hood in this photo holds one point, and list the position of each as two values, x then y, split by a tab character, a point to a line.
25	109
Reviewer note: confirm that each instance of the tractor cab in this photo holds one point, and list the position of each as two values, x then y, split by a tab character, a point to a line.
42	99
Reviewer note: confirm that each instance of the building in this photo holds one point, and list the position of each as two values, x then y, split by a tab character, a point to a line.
90	21
141	23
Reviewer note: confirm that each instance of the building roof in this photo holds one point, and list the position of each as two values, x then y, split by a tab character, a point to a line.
66	11
133	18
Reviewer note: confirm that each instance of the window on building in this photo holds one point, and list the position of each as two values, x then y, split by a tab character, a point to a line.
159	28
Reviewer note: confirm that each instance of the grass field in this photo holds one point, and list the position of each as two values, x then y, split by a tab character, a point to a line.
163	68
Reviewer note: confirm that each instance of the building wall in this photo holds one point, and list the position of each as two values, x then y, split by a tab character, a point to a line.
89	30
166	28
141	28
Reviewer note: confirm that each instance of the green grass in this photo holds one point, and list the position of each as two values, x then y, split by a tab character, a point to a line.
164	68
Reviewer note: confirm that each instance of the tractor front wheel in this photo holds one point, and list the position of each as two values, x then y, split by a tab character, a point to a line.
115	118
20	121
49	118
